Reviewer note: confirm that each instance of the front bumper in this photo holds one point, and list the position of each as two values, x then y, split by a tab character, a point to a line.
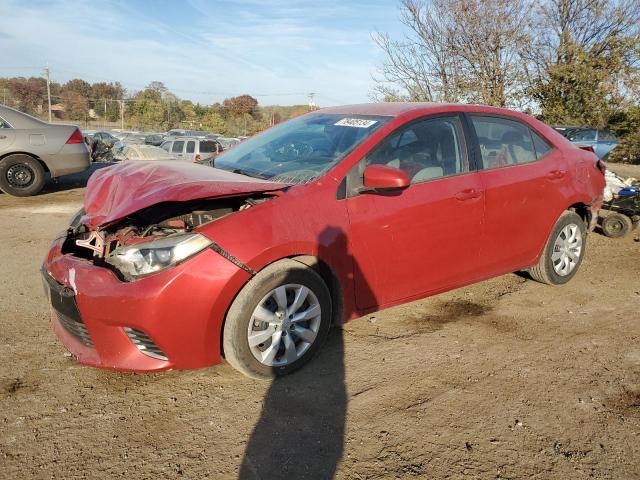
180	309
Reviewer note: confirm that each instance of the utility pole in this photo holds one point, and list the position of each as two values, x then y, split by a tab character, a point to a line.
312	103
121	114
46	71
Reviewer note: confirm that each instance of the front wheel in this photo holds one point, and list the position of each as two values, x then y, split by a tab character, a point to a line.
21	175
278	321
564	251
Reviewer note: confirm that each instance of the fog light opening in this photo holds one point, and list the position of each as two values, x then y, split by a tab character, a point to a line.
144	344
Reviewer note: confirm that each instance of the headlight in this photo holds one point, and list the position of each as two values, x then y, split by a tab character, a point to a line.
149	257
74	222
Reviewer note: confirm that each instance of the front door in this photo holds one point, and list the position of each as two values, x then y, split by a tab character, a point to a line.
424	238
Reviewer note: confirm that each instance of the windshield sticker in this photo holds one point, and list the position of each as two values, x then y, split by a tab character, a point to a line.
356	122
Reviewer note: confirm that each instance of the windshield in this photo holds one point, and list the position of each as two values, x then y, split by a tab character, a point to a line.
299	150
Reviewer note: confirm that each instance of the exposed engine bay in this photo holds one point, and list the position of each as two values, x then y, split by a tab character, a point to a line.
159	221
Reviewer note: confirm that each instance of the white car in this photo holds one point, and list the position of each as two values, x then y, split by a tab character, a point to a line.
141	153
193	149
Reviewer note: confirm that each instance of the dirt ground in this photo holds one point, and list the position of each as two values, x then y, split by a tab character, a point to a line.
505	379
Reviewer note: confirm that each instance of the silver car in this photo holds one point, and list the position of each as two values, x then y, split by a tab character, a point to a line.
31	148
192	149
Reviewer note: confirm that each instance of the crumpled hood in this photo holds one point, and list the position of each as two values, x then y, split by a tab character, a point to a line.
120	190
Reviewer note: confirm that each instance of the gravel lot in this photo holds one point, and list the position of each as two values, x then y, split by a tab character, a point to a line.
505	379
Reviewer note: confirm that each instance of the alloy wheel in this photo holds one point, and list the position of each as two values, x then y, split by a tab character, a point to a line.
284	325
567	250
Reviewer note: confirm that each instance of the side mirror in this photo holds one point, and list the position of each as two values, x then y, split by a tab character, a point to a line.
381	177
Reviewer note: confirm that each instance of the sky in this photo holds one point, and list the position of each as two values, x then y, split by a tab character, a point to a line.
205	51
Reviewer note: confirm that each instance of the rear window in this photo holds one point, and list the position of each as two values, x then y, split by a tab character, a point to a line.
177	147
208	147
191	146
540	145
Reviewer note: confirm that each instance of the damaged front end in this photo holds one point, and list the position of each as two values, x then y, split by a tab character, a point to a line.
156	237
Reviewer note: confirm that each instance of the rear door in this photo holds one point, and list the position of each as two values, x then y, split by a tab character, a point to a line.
426	237
522	176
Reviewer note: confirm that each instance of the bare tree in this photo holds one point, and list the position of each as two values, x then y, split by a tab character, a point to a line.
456	51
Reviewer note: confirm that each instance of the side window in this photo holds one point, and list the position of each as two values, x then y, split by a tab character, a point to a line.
584	135
177	147
4	124
606	136
426	149
540	145
191	146
166	146
503	142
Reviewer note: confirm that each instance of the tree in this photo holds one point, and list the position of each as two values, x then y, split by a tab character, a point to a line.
213	122
76	106
240	106
456	50
105	96
27	95
583	62
78	86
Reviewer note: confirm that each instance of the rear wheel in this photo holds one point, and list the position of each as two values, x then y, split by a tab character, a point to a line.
278	321
21	175
563	253
616	225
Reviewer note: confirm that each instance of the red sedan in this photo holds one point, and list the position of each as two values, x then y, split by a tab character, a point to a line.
320	219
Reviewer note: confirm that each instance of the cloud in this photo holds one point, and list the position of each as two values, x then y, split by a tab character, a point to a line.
201	50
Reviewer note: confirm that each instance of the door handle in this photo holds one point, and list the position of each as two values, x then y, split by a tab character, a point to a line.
556	174
468	194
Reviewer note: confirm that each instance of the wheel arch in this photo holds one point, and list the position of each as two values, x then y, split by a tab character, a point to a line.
583	210
35	157
321	267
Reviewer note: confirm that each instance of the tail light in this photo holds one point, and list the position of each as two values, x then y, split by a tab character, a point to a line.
76	137
600	165
587	148
197	159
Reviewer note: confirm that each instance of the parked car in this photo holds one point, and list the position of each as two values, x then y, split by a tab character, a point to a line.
602	141
177	132
154	139
31	148
227	143
320	219
141	152
105	137
134	139
192	149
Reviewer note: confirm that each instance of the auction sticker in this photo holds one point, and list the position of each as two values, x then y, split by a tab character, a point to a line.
355	122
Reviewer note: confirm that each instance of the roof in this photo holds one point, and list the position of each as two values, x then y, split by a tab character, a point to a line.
395	109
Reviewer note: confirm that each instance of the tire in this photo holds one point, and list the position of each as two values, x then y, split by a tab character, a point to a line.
21	175
616	225
552	268
245	318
